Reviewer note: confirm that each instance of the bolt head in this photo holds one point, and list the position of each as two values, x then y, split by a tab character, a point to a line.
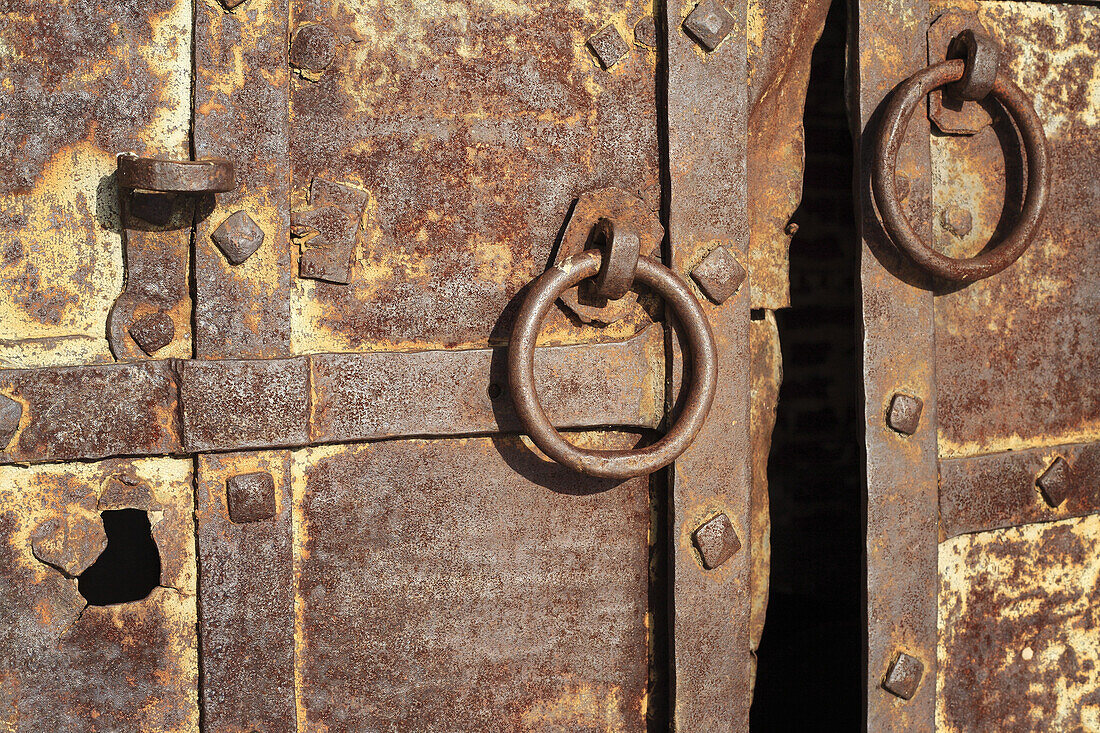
313	47
1056	482
904	413
719	275
709	24
957	220
238	237
608	46
645	32
716	540
904	676
250	497
153	331
11	412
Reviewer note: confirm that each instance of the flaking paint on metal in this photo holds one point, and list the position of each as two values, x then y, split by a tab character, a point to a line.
124	667
1016	353
1020	629
514	111
120	81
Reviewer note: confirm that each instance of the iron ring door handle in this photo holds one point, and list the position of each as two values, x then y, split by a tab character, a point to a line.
895	120
614	464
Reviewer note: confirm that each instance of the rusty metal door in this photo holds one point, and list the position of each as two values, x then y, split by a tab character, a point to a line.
287	328
979	128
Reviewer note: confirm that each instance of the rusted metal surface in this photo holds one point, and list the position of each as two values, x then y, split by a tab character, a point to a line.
93	411
241	113
369	396
1016	355
155	304
903	103
766	365
580	229
897	352
335	220
234	404
70	666
703	358
175	176
477	586
79	87
511	119
1018	487
781	38
952	115
719	275
1021	629
707	98
622	246
247	602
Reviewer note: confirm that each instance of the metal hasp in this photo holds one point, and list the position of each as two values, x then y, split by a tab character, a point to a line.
617	464
980	380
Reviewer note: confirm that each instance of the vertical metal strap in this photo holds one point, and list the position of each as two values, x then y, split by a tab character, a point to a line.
242	311
707	117
898	359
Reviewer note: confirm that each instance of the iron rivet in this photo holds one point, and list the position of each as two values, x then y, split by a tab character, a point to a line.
645	32
251	497
11	412
153	331
904	676
719	275
1056	482
238	237
313	48
957	220
709	24
608	46
904	413
716	541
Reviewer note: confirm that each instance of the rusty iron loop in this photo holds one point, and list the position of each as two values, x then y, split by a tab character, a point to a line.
900	110
623	246
615	464
982	57
175	176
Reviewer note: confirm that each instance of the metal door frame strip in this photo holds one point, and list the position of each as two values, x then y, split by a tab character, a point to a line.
898	358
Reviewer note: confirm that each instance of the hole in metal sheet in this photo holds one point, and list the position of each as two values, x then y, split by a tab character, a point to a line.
129	569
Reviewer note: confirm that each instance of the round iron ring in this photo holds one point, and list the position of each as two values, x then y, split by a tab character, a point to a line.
896	118
614	464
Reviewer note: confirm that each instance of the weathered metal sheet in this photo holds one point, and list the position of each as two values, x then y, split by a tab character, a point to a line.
468	585
897	350
241	113
247	603
781	38
766	364
93	411
369	396
1007	489
82	81
707	118
1017	353
65	665
511	117
1020	611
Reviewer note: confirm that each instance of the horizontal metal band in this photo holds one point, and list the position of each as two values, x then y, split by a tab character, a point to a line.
178	407
1018	487
176	176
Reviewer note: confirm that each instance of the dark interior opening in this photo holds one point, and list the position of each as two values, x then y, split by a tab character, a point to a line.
129	569
810	656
